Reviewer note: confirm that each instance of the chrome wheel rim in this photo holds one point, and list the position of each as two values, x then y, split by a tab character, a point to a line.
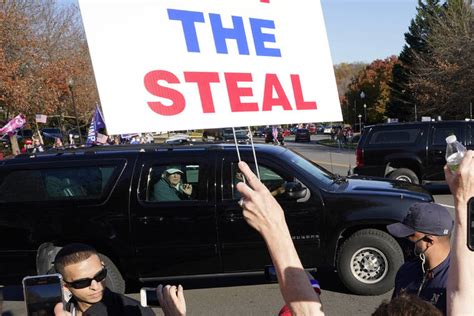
369	265
404	178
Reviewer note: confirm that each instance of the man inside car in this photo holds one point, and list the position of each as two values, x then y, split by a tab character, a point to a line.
171	188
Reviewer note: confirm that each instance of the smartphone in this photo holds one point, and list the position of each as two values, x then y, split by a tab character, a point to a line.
42	293
470	223
148	297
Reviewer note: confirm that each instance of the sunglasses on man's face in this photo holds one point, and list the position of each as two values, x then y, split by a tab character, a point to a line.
83	283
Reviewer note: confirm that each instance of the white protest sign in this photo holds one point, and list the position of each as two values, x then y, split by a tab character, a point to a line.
176	64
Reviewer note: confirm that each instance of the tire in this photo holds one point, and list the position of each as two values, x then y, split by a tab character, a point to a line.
404	174
368	261
114	280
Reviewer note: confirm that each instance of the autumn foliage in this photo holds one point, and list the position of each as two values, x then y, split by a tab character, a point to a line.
42	47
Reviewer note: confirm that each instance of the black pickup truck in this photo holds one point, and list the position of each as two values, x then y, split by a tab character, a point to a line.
413	152
109	197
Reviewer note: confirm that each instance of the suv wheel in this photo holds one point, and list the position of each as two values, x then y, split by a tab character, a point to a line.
114	280
404	174
368	262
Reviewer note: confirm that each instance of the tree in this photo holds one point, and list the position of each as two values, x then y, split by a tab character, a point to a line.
345	74
374	80
43	45
403	97
445	74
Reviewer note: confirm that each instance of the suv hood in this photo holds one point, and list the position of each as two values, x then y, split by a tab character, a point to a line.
384	187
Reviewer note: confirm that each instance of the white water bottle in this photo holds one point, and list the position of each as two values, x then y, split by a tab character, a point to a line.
454	153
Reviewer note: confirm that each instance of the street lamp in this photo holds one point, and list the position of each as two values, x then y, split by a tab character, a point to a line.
362	96
71	86
365	113
360	126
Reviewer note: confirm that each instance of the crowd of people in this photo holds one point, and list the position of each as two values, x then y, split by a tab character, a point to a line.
438	282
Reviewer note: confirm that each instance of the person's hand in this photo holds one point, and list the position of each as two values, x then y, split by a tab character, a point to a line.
59	310
260	209
187	188
461	183
171	300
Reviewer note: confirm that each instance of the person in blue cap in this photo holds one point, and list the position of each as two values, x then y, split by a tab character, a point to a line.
428	226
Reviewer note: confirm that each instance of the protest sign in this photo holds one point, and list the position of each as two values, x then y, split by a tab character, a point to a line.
175	64
16	123
41	118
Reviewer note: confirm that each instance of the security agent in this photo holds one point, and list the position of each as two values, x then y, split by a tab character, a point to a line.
84	277
428	226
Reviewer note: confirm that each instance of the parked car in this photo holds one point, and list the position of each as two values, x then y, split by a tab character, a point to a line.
413	152
178	139
25	134
51	133
302	135
107	197
241	134
270	138
259	132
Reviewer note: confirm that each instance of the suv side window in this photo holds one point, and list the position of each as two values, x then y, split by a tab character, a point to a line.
440	134
271	179
174	183
87	182
404	136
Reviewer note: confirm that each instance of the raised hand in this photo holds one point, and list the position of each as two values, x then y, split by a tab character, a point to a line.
171	300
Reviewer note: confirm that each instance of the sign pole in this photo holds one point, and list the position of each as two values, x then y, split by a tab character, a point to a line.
39	133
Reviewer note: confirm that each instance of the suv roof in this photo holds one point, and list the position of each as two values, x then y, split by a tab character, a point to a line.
413	123
138	148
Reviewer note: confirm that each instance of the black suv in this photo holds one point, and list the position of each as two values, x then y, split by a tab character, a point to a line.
302	135
109	197
413	152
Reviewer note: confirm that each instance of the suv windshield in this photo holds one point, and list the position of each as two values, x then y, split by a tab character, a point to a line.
310	168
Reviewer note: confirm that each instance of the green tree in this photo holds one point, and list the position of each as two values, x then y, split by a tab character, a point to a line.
403	96
445	74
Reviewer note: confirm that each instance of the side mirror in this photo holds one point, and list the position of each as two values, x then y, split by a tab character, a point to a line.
295	190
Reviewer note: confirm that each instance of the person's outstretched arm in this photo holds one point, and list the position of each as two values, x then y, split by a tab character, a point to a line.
263	213
460	287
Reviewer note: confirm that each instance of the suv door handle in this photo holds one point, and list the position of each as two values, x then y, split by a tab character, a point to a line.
147	220
232	217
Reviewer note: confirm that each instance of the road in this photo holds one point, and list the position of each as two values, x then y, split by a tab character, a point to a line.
247	296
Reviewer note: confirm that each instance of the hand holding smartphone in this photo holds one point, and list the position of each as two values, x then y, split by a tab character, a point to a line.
470	223
42	293
148	297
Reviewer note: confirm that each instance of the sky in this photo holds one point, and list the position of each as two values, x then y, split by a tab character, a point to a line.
362	30
365	30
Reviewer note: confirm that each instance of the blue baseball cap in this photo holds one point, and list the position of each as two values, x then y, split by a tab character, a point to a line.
428	218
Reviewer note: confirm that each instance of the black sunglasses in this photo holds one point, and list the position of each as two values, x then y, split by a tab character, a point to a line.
83	283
